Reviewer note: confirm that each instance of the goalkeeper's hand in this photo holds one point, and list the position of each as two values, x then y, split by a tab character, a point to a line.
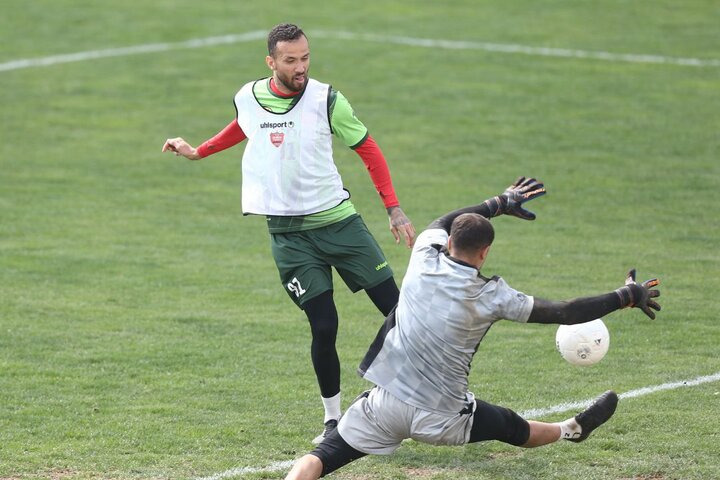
523	190
639	296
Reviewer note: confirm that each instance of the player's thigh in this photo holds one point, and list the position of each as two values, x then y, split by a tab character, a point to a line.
492	422
355	254
441	429
303	272
376	423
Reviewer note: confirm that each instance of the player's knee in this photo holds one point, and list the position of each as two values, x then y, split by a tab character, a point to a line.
493	422
309	467
322	315
324	332
519	435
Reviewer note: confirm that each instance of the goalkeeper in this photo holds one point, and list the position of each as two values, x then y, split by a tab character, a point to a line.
420	359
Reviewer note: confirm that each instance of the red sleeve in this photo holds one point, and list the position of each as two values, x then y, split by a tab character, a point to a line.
226	138
375	162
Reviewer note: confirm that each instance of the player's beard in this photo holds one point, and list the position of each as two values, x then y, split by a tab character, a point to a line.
291	83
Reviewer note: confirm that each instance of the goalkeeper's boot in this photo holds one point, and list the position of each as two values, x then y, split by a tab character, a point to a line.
595	415
330	425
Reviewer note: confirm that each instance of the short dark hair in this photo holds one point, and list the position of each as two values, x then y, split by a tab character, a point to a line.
471	232
285	32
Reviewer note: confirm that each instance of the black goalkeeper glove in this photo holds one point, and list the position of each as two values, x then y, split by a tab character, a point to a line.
511	200
639	296
523	190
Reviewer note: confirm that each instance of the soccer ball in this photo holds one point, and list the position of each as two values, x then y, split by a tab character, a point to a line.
584	343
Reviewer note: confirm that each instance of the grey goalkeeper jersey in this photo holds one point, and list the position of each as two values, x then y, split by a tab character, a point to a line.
423	352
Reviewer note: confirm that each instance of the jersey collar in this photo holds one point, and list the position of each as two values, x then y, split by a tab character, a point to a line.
276	91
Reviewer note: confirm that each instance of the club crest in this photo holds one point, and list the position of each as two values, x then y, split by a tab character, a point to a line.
276	138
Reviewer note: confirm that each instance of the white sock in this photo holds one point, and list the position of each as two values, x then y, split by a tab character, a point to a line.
332	407
569	428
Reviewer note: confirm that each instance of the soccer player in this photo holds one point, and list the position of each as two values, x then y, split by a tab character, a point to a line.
288	175
421	357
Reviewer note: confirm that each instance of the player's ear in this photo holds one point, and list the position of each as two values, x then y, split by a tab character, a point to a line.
270	62
484	253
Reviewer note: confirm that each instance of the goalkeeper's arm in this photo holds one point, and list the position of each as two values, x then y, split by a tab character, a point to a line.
509	203
581	310
578	310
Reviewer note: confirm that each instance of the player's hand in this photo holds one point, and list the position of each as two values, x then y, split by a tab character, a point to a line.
523	190
401	226
181	148
639	295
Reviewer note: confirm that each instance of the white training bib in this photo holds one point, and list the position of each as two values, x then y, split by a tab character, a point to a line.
288	167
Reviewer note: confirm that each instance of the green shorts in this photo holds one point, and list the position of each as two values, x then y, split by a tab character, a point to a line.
304	259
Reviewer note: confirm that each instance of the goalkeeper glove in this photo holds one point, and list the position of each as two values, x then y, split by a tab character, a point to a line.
639	296
523	190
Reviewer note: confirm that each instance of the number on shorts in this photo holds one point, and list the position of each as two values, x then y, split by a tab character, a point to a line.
295	287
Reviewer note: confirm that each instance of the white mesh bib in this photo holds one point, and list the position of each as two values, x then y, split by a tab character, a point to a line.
288	167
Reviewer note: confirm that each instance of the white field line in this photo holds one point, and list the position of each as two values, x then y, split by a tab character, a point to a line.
529	414
236	472
523	49
366	37
135	50
565	407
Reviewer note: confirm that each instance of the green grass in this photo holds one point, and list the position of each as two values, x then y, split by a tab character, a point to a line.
143	330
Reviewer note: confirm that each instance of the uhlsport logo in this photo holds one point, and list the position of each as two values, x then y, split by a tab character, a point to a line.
277	124
277	138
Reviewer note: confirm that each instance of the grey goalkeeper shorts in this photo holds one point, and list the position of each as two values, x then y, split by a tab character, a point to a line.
378	423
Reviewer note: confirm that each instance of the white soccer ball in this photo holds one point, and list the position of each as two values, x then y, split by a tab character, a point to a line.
584	343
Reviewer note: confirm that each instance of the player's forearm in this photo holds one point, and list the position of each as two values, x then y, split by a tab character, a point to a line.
574	311
491	207
377	167
229	136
